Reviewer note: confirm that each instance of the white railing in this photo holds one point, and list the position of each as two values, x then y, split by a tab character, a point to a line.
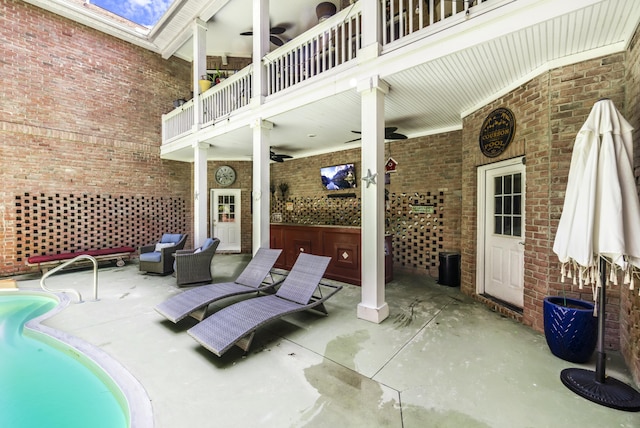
404	17
226	97
319	49
322	48
71	290
178	122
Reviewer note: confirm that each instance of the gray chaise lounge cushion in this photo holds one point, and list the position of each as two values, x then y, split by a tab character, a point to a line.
251	280
236	324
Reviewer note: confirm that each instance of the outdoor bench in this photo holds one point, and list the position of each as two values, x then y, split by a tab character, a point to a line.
119	254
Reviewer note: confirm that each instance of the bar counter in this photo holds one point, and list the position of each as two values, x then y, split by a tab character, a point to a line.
341	243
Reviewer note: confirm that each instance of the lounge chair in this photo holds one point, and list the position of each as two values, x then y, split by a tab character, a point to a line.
236	324
195	302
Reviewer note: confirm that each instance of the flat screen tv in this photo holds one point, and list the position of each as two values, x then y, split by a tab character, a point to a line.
338	177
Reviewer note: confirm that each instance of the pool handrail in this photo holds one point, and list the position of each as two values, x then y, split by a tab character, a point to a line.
70	290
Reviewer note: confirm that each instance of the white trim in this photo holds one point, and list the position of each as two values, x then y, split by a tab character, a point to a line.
480	214
237	193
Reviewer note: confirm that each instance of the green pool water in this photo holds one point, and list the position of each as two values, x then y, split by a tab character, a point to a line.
45	383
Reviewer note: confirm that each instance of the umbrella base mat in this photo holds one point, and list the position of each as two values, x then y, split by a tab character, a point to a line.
610	393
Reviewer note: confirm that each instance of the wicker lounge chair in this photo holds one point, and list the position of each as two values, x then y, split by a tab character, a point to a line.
195	302
236	324
194	266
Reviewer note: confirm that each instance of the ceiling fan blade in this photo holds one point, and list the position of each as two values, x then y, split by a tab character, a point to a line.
276	40
395	136
351	141
247	33
277	30
389	134
277	157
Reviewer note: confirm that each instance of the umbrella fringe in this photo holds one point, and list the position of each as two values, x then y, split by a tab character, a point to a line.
590	275
629	273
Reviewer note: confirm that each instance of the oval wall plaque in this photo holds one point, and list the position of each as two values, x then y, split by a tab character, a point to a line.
497	132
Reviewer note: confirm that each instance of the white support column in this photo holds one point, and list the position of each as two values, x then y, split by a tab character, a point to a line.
261	144
371	16
199	67
373	306
200	193
260	49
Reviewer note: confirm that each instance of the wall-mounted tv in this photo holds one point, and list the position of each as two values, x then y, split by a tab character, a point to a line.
338	177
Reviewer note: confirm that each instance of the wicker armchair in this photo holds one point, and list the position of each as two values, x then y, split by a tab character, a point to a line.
193	266
158	258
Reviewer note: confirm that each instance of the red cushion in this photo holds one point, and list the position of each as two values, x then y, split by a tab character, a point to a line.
107	251
65	256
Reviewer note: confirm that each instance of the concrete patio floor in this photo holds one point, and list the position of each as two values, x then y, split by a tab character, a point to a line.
440	360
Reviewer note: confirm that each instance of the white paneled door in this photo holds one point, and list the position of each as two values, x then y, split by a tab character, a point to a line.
225	218
501	237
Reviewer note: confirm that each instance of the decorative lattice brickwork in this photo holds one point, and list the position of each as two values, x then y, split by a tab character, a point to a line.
417	236
54	224
320	210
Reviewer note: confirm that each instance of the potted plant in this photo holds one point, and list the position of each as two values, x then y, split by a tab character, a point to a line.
284	188
205	82
325	10
218	77
570	328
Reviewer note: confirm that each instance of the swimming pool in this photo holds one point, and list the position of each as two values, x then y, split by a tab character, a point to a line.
48	381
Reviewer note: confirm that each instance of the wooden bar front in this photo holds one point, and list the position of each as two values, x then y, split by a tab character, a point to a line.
341	243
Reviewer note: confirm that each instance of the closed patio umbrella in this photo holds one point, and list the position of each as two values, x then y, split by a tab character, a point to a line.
600	228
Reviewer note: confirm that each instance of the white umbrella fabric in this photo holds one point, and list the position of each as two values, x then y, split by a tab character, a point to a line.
600	224
601	213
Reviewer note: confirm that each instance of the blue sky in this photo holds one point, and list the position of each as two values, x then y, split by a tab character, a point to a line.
143	12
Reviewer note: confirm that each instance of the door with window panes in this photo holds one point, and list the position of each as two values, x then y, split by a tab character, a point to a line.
504	233
225	218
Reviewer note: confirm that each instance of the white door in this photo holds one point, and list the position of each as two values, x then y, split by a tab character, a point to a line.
501	231
225	218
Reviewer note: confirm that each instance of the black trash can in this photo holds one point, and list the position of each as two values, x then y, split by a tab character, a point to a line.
449	270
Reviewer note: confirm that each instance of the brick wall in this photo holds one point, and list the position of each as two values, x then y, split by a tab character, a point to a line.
528	106
428	173
630	299
573	91
54	223
244	182
303	174
80	115
549	110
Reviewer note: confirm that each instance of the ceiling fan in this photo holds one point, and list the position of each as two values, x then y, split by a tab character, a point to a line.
389	134
274	34
276	157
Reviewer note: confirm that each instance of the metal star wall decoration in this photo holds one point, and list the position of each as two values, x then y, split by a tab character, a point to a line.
370	178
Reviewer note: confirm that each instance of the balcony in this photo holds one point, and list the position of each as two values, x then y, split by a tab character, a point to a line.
321	51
